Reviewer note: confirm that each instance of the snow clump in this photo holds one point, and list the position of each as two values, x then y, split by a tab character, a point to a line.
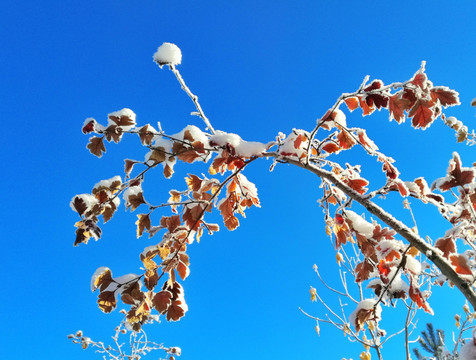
359	224
168	54
239	146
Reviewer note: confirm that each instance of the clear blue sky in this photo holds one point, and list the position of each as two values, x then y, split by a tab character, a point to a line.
259	67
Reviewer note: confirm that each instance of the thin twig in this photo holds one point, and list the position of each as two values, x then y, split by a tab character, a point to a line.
193	97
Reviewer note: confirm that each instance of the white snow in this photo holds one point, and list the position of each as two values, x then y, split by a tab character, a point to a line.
359	224
195	133
339	119
106	184
413	265
397	284
160	142
288	148
242	148
126	278
116	201
384	247
168	54
451	121
248	189
89	200
122	280
366	304
126	113
149	249
412	187
132	190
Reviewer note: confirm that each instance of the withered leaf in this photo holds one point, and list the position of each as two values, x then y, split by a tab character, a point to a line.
447	246
377	100
396	107
170	222
367	246
102	196
472	197
187	135
392	254
107	301
358	185
162	300
345	140
215	227
96	146
420	80
81	237
192	216
365	140
461	264
342	234
383	233
417	297
108	212
226	210
175	311
218	165
86	229
331	147
390	170
299	140
114	133
194	183
132	294
182	269
101	279
143	222
79	205
366	109
151	279
362	316
122	120
189	154
168	171
363	271
174	287
456	175
445	96
133	201
352	103
158	155
169	265
89	127
139	314
146	134
421	114
128	165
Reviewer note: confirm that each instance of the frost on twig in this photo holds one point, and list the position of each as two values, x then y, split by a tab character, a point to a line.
127	345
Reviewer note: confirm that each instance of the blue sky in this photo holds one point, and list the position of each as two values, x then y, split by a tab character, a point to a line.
259	67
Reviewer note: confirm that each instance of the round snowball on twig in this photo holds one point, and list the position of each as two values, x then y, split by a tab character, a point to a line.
168	54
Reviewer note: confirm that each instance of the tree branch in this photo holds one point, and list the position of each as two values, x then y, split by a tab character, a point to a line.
429	251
